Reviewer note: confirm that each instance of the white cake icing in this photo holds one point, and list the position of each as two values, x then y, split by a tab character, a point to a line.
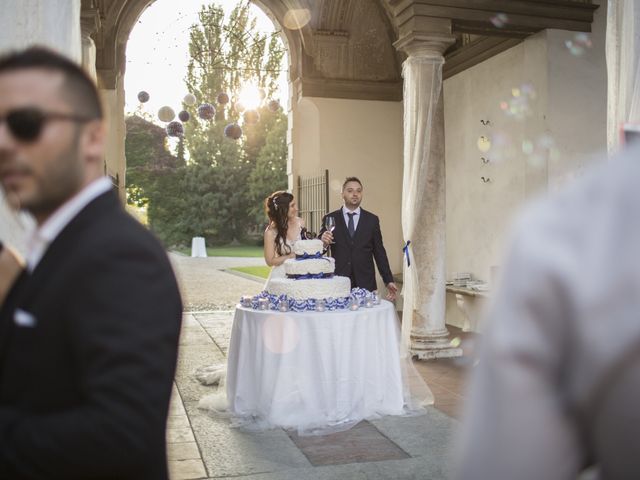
335	287
314	288
310	247
310	266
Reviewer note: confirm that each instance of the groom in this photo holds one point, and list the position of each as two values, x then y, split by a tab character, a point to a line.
357	241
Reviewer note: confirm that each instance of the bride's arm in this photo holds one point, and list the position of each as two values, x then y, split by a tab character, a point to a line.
270	255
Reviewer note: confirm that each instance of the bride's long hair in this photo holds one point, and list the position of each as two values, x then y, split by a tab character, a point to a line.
276	206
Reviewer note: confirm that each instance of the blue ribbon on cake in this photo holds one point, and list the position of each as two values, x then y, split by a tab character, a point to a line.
309	276
307	256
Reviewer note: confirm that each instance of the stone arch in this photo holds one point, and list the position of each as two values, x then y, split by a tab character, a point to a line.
110	25
331	56
120	17
345	51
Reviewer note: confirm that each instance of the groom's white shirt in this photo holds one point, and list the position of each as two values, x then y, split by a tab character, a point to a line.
356	217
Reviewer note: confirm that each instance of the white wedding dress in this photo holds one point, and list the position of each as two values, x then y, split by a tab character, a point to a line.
278	271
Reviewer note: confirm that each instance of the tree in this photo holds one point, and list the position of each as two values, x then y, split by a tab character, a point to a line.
225	54
214	186
270	171
154	177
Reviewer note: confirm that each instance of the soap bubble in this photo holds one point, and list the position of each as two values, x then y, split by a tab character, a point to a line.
579	45
500	20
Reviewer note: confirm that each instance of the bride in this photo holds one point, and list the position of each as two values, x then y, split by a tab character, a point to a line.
285	227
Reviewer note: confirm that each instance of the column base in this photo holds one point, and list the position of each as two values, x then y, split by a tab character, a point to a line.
433	345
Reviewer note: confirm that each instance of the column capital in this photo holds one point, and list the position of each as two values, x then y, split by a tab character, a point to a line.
423	44
89	20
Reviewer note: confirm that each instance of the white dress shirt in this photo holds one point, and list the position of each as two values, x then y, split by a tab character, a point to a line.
51	228
356	217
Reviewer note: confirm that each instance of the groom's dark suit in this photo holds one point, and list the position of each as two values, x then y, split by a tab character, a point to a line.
88	345
354	256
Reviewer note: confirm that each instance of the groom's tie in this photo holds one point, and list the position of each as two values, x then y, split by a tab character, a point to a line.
351	227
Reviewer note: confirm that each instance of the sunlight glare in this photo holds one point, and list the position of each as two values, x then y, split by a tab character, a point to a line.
250	96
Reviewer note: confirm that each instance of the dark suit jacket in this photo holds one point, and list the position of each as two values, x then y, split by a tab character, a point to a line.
88	345
354	256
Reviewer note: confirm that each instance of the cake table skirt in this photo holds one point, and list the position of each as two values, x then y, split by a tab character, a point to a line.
316	371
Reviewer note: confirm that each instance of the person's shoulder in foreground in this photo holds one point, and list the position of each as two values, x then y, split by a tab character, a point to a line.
565	313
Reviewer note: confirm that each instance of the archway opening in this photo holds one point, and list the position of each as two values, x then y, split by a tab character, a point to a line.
207	97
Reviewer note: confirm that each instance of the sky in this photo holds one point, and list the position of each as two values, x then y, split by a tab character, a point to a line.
157	52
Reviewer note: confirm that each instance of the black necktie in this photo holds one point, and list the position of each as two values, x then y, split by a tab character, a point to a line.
351	227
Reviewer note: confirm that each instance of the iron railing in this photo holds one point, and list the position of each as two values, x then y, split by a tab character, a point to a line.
313	199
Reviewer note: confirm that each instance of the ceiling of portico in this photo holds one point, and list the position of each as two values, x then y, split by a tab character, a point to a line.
346	50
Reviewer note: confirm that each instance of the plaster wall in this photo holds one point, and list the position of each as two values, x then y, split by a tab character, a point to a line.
51	23
115	160
355	138
562	126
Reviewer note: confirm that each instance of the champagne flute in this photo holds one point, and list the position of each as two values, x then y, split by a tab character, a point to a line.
330	224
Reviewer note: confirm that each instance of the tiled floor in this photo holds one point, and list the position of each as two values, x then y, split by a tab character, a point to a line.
184	457
362	443
447	377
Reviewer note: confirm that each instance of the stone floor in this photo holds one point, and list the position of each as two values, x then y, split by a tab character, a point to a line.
202	447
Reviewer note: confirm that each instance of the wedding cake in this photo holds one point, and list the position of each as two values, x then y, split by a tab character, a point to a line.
310	275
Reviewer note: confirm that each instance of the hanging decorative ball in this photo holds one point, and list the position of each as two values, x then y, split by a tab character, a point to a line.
223	98
184	116
175	129
189	99
206	111
251	117
166	114
143	96
274	105
233	130
263	94
239	107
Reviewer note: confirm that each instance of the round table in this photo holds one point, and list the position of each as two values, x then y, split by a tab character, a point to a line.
311	370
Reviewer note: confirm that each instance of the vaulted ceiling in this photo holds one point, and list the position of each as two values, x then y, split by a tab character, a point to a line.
346	49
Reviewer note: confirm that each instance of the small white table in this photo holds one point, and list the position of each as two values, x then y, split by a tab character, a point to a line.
198	248
472	304
315	369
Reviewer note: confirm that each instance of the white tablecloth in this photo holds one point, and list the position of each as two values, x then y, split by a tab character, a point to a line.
198	247
315	369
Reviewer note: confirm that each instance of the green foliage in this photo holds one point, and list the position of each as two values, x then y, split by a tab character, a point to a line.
261	272
214	186
251	251
154	177
270	171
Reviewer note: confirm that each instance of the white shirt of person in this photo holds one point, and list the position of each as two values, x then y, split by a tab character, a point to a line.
51	228
356	217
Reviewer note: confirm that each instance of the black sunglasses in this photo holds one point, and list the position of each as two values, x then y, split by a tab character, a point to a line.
26	124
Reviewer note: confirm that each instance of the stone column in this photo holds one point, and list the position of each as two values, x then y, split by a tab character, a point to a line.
424	196
89	23
51	23
115	163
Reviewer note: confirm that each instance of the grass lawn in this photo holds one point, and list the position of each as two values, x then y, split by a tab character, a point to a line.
262	272
232	251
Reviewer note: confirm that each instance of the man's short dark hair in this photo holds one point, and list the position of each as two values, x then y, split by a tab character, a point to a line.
78	88
351	179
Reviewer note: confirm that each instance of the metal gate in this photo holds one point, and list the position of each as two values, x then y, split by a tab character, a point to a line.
313	199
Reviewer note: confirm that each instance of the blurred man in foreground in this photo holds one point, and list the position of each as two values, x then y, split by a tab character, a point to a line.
89	330
558	384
